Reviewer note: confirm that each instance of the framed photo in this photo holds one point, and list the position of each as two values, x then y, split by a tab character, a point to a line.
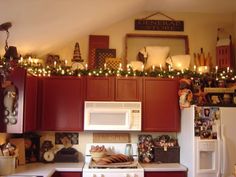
220	99
215	98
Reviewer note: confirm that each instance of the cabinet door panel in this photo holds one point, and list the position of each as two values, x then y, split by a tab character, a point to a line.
166	174
62	103
30	108
160	105
128	89
100	88
69	174
18	78
26	89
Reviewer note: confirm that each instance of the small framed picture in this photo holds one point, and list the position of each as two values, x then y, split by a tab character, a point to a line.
206	112
215	99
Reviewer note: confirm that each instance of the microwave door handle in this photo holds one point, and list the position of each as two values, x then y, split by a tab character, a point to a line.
128	119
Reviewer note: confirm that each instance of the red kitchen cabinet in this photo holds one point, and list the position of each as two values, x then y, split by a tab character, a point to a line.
166	174
31	101
67	174
113	88
128	89
62	103
160	105
99	88
25	105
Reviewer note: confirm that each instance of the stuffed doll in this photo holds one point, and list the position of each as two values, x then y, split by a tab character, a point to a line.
185	93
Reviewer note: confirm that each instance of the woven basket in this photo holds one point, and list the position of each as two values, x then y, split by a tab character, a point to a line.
113	63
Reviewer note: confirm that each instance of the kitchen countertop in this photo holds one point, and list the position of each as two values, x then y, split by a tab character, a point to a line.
47	169
163	167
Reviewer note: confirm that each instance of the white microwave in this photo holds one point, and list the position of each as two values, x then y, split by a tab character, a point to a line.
115	116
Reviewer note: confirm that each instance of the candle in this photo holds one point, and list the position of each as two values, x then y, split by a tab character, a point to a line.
205	68
30	60
169	67
21	60
142	67
227	69
105	66
86	66
55	63
216	69
194	68
66	62
120	66
153	67
160	67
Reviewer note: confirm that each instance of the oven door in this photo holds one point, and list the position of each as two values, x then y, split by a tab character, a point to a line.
107	119
112	174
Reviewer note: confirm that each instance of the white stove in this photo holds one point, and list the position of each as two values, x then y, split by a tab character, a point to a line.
116	148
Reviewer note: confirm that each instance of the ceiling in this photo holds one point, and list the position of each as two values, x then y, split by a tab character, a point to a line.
40	26
203	6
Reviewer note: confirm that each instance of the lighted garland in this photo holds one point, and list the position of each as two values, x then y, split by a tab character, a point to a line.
37	69
57	70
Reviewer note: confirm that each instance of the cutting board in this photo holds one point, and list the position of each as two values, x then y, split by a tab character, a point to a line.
20	144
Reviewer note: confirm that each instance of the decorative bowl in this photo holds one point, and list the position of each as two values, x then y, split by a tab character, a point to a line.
96	156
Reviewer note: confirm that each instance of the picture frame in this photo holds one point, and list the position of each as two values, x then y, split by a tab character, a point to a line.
215	98
220	99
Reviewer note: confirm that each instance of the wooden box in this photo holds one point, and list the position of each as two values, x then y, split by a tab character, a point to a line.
170	155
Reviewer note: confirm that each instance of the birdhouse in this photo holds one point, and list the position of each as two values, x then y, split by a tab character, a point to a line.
224	53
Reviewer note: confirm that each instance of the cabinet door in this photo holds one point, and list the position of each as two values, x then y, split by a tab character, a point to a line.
62	103
100	88
18	79
160	105
128	89
166	174
30	106
26	102
67	174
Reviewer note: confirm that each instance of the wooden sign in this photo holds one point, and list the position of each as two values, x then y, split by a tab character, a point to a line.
159	25
111	138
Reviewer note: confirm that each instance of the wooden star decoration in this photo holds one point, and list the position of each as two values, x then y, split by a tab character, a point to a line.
200	96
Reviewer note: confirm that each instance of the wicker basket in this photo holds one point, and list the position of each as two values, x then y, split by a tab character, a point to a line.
171	155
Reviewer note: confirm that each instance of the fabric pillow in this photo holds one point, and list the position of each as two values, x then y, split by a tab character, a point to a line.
157	56
179	62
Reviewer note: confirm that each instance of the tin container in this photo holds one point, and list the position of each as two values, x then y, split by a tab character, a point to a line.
7	165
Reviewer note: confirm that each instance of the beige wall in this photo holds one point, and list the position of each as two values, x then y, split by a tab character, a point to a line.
201	29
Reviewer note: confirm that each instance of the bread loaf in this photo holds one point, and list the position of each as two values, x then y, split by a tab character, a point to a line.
115	158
